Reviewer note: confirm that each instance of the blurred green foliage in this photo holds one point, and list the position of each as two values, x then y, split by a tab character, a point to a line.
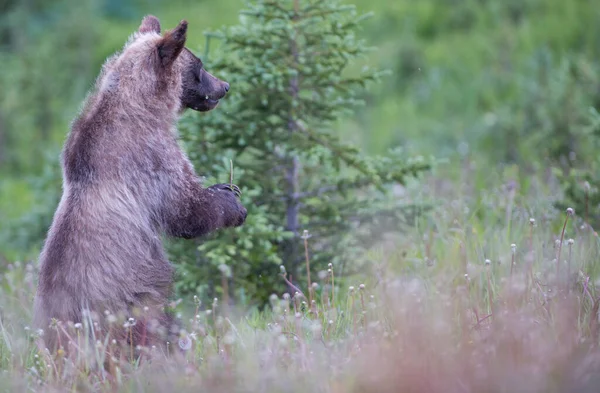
581	182
503	89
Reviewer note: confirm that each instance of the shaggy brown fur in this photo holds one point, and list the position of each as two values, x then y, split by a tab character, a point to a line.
125	182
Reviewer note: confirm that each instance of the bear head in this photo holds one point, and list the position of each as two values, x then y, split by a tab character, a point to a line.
201	90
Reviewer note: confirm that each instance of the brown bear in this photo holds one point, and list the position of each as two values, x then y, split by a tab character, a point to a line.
126	182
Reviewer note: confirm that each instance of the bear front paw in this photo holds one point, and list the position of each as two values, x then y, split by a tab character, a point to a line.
235	213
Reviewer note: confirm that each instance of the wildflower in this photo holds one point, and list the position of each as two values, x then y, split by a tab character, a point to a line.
77	326
513	248
282	269
571	242
570	211
129	323
532	221
351	289
488	262
361	287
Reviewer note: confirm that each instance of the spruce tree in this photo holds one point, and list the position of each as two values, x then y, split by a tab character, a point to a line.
288	65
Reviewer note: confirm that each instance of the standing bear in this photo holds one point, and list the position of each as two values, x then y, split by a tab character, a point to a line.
126	182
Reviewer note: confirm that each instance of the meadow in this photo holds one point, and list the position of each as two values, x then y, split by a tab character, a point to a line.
493	287
458	304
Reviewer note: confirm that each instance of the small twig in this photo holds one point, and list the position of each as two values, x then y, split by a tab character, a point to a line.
570	212
332	285
474	309
231	173
489	285
594	328
479	321
295	288
361	288
570	242
305	236
513	248
585	289
531	251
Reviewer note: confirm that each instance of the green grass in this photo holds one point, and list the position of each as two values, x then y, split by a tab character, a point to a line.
429	315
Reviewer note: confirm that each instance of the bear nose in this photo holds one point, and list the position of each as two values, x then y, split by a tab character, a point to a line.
226	87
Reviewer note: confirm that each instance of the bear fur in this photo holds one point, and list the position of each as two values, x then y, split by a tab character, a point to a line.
127	182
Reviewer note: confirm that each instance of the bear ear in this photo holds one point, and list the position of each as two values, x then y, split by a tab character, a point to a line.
170	46
150	24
